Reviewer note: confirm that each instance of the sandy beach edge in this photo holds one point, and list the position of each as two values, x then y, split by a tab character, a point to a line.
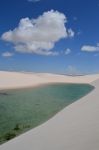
18	80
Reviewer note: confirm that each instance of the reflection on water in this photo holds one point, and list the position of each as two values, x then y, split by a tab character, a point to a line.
4	94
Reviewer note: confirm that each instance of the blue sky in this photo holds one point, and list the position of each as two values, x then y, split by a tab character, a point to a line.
67	43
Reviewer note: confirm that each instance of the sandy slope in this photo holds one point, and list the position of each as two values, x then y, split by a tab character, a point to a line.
74	128
10	80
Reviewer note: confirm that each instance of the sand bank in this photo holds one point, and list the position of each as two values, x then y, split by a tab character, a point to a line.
74	128
11	80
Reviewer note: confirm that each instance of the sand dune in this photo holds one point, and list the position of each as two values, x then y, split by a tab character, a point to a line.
10	80
74	128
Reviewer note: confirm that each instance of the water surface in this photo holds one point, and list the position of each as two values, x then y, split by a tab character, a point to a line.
21	110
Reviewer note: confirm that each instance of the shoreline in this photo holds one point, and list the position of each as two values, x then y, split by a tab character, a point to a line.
41	85
17	80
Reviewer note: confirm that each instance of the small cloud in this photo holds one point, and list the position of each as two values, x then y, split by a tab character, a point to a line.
78	54
72	70
98	44
71	33
90	48
75	19
67	51
96	55
33	1
79	33
7	54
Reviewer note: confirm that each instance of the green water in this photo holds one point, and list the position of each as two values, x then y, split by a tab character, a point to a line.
21	110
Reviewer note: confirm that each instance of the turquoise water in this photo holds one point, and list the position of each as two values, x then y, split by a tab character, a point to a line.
21	110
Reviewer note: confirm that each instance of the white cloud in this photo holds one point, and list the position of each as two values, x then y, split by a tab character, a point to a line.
39	35
71	33
7	54
90	48
67	51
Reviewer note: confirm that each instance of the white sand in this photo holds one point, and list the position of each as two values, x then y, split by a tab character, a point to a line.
74	128
11	80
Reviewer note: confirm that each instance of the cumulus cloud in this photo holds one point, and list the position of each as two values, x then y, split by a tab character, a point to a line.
90	48
67	51
39	35
7	54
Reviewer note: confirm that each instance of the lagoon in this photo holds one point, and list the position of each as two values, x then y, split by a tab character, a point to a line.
24	109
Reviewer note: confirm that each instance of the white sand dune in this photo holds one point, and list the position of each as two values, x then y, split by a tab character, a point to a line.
11	80
74	128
